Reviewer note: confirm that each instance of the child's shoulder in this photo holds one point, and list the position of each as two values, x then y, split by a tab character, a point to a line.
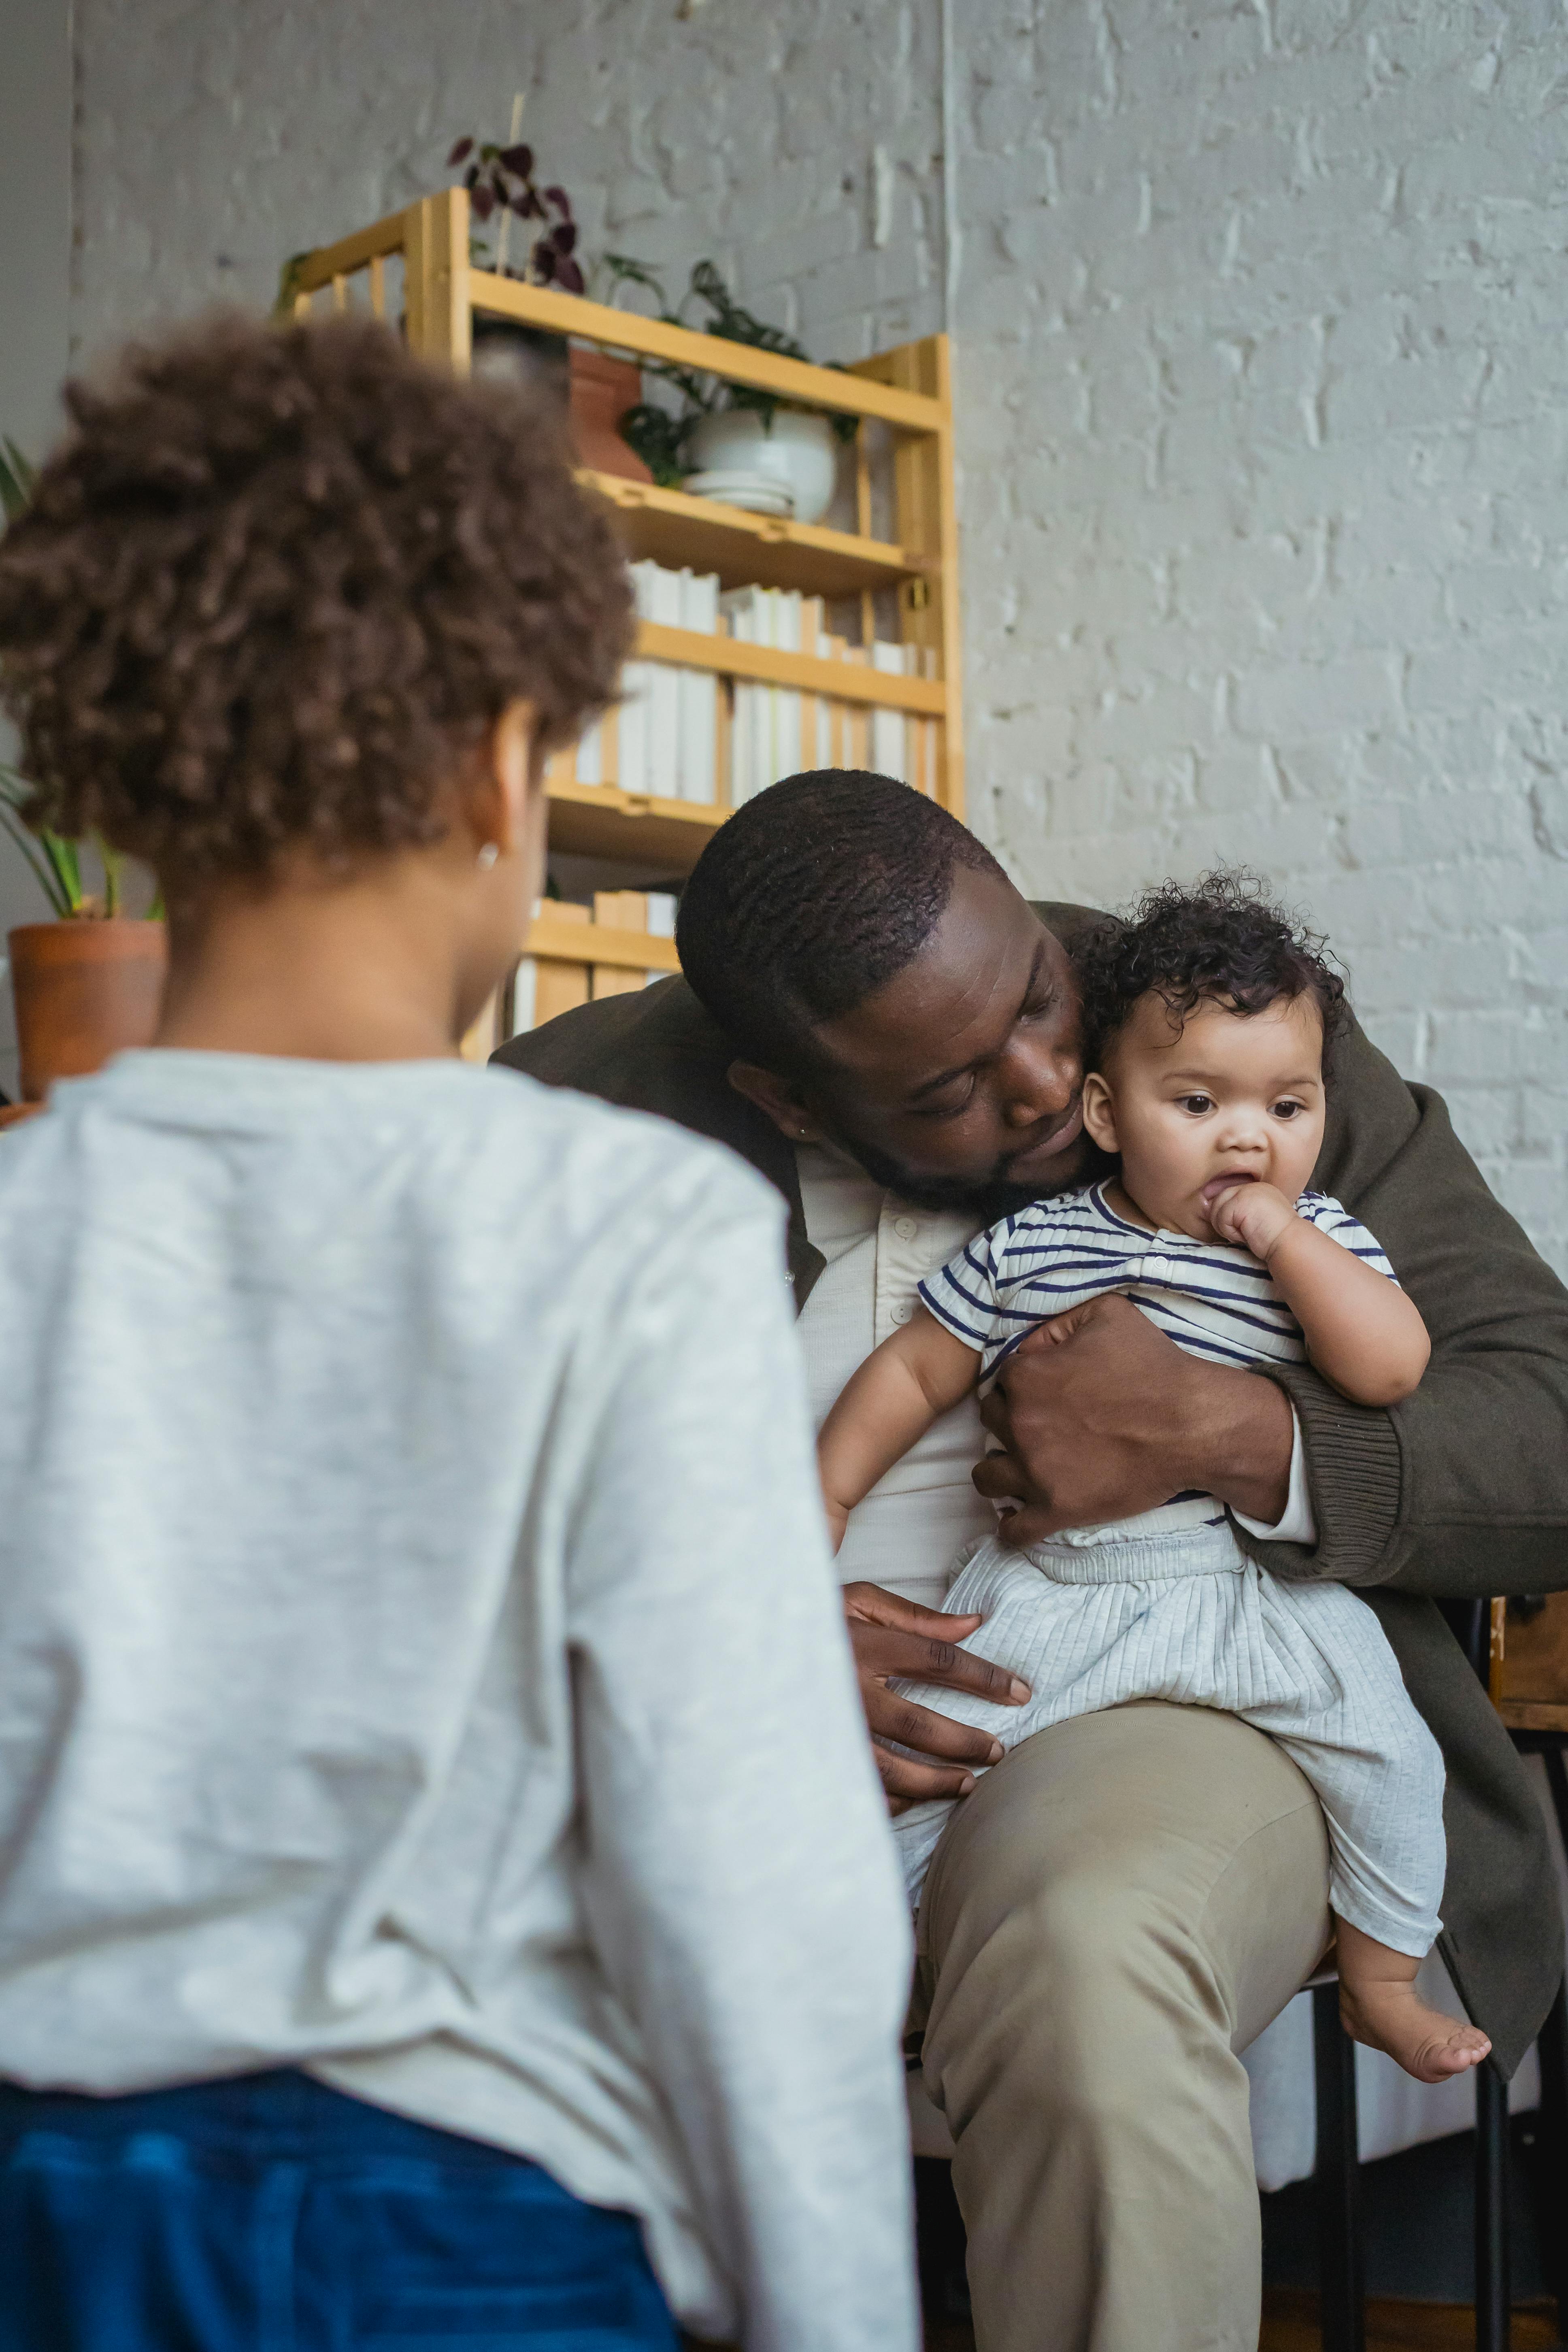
1058	1220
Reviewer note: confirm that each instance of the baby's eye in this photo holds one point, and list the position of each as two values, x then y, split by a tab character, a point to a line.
1289	1109
1196	1104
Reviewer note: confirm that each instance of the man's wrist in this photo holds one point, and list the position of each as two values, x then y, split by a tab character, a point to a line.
1251	1436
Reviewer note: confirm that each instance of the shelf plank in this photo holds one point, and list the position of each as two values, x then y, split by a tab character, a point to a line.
844	681
564	941
318	268
600	820
625	330
745	548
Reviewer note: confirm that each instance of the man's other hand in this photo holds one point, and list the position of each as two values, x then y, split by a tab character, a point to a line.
1101	1416
892	1637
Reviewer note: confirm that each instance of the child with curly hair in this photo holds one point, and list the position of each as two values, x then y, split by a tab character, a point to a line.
1209	1023
399	1937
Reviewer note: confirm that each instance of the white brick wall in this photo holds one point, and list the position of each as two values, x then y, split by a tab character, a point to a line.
1261	364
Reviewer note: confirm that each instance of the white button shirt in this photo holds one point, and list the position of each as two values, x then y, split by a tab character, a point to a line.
909	1532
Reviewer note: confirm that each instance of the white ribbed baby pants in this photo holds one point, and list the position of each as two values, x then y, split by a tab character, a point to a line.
1186	1617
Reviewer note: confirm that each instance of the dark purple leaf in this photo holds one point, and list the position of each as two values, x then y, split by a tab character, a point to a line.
518	159
484	203
499	184
564	236
470	176
560	200
520	206
533	209
464	147
570	276
544	261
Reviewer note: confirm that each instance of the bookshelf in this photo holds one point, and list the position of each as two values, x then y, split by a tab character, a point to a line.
415	265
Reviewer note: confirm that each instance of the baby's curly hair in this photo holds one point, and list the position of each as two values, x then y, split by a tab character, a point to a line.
275	580
1220	941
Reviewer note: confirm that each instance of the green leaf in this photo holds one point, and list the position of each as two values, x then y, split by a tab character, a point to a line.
17	480
15	793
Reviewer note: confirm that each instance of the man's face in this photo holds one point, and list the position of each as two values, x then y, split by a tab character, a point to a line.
958	1084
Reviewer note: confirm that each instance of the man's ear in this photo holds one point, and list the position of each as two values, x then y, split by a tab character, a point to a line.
778	1100
1099	1112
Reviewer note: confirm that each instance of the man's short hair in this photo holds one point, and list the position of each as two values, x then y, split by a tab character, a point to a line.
810	898
275	580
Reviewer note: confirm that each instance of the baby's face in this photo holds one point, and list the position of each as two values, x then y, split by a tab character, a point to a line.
1228	1096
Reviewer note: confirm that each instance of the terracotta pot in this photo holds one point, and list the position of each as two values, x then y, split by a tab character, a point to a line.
84	991
602	389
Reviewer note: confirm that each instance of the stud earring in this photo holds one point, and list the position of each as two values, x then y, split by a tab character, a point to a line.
487	857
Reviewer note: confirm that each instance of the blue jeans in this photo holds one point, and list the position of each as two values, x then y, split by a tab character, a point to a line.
271	2215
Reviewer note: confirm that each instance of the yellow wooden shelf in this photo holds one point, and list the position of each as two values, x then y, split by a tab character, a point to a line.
600	820
675	528
565	941
901	401
843	681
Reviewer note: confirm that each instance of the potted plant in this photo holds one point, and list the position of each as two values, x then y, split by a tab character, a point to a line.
729	440
502	188
90	981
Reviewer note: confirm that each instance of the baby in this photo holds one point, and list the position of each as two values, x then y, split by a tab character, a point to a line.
1206	1020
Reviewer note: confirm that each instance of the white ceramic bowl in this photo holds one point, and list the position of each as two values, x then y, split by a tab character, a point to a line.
793	450
758	493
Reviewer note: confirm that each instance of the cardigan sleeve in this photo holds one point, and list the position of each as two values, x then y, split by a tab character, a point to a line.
1463	1487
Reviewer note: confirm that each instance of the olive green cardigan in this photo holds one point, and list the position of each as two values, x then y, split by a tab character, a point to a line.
1461	1490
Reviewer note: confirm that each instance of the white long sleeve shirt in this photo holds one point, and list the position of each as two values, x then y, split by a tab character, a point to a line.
413	1600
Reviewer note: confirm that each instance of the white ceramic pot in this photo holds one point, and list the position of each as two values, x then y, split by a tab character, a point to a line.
795	449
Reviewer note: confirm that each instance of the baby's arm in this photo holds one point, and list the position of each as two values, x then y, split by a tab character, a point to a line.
1361	1331
898	1390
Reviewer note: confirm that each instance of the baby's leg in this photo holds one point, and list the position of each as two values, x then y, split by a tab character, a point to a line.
1351	1725
1379	2005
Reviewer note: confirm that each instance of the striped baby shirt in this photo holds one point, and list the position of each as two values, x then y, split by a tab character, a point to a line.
1211	1297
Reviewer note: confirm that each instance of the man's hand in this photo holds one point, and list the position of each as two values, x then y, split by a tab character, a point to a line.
1102	1416
891	1637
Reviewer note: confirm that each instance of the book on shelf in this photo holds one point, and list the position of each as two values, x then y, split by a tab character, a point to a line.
678	735
542	986
697	759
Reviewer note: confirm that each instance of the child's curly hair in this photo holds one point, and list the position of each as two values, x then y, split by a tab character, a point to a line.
273	581
1220	941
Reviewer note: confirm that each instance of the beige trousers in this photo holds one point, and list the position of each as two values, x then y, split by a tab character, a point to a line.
1122	1905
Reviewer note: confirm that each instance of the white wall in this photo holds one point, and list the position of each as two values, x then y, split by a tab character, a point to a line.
1260	326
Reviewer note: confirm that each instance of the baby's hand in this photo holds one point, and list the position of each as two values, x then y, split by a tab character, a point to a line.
1252	1214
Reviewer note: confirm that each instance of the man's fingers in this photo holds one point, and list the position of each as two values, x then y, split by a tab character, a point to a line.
892	1717
908	1783
867	1604
880	1653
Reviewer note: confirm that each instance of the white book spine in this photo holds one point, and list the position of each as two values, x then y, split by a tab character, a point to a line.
889	750
664	692
521	998
590	754
699	762
787	759
739	608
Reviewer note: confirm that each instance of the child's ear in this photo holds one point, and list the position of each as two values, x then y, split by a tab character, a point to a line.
1099	1112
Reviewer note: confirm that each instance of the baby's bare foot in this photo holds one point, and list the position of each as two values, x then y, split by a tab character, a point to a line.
1394	2018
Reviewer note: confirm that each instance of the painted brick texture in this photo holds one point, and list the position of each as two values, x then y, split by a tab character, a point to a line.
1261	373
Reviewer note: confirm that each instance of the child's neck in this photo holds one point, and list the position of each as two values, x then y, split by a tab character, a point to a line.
365	969
1122	1201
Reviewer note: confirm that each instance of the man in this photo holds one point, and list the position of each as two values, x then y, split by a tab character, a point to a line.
874	1017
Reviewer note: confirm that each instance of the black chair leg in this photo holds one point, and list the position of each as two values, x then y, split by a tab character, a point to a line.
1550	2169
1342	2276
1493	2305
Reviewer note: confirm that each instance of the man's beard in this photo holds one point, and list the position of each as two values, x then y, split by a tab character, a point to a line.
989	1199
